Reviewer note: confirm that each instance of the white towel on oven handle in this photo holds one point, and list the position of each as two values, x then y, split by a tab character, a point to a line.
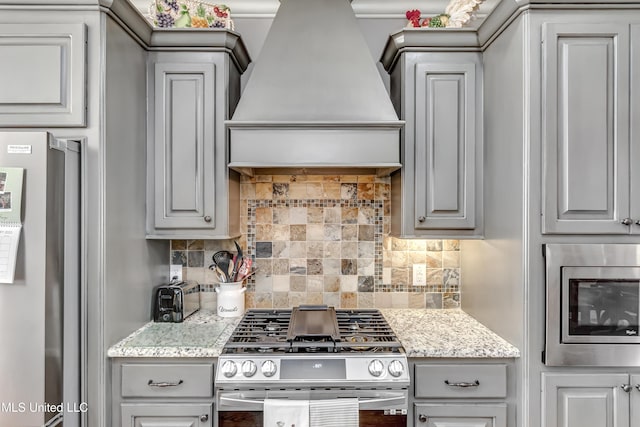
285	413
342	412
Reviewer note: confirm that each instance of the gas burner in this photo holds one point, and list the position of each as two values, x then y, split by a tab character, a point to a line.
272	327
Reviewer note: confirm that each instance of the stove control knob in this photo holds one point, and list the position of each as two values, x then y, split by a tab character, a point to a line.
376	368
268	368
248	368
229	368
396	368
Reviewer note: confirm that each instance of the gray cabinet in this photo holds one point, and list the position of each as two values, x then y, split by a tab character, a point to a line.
167	415
43	74
466	415
590	400
438	191
163	392
590	179
191	192
460	394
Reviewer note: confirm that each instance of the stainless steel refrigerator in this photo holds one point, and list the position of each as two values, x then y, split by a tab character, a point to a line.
40	314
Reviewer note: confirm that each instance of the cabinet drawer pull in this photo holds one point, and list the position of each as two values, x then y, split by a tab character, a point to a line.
207	218
204	417
423	418
151	383
638	387
626	388
476	383
421	219
627	221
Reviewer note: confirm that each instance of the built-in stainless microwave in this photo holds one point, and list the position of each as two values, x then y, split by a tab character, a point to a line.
592	304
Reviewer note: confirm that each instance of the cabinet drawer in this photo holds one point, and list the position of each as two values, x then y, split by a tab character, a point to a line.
172	380
442	381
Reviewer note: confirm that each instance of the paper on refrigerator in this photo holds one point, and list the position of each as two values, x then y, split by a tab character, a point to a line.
11	180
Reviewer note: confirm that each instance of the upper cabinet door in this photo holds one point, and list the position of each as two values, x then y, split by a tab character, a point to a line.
184	146
42	75
635	130
585	128
445	146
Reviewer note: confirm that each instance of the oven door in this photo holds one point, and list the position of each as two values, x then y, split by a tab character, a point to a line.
377	407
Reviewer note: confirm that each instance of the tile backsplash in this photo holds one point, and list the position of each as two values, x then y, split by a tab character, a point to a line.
324	239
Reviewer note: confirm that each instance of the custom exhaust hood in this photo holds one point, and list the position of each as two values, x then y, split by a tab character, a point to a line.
315	98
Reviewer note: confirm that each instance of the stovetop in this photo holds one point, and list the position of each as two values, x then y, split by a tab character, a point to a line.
268	331
310	347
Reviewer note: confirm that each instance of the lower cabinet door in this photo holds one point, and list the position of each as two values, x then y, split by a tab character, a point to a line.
460	415
585	400
166	415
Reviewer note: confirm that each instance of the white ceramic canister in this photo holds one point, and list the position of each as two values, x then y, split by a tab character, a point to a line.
230	299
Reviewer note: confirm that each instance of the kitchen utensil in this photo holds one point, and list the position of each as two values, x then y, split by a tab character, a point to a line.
222	256
244	270
222	259
240	257
221	276
232	274
230	270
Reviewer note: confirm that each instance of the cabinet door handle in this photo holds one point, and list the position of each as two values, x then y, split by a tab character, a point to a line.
627	221
207	218
423	418
163	384
421	219
204	417
637	221
638	387
626	387
476	383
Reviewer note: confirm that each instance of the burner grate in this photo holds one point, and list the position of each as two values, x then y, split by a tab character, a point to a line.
266	331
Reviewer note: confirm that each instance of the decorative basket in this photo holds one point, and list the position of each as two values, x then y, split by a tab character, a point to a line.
189	14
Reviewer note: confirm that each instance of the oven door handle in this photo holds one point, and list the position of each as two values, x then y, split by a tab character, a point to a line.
364	403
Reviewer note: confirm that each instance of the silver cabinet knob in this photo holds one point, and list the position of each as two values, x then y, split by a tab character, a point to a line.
421	219
638	387
626	387
422	418
627	221
204	418
207	218
638	222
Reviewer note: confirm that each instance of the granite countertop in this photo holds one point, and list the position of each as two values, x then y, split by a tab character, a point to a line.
202	334
446	333
423	333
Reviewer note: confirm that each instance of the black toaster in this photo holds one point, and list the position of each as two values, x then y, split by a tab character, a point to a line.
175	301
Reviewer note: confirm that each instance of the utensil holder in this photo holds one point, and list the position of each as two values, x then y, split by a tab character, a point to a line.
230	299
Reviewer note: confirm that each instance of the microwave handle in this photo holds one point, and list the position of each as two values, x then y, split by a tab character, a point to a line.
364	403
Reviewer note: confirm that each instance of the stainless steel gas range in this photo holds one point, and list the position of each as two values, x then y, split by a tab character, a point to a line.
312	353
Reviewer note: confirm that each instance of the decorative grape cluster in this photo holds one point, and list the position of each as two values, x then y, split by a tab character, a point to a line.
164	20
173	4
